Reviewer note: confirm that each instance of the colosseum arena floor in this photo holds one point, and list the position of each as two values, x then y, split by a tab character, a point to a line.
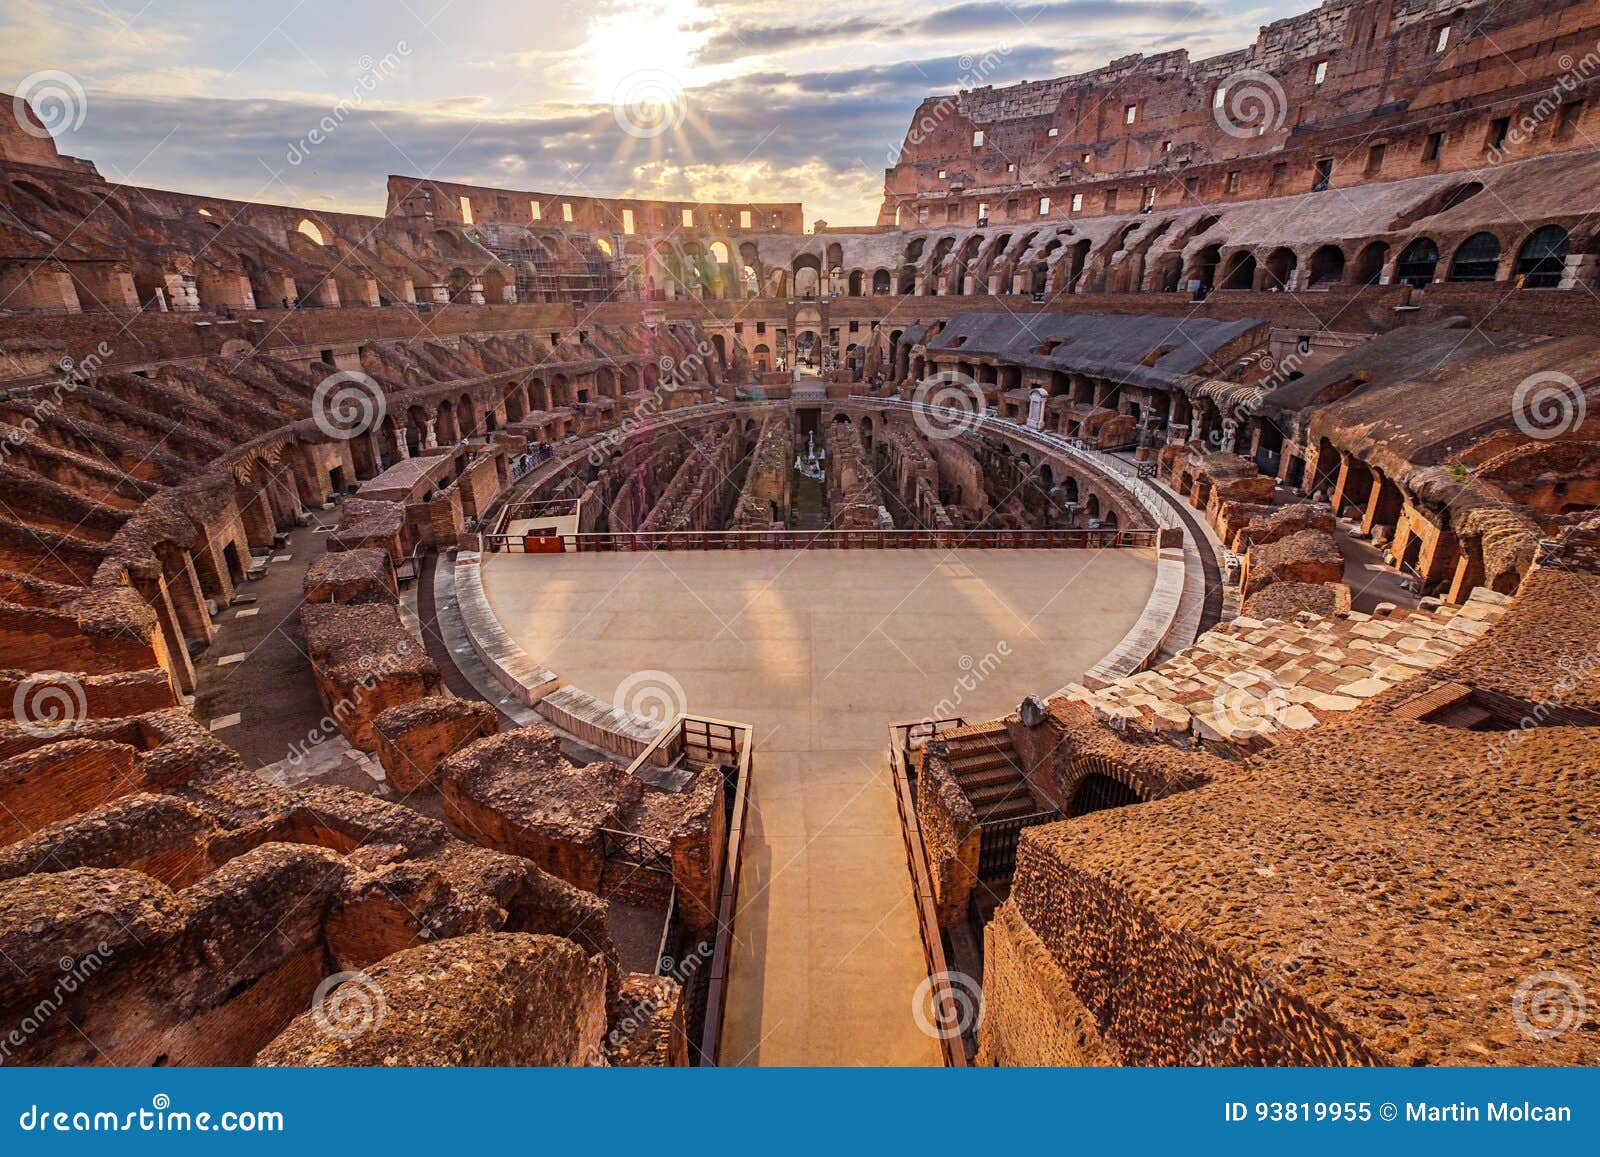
819	650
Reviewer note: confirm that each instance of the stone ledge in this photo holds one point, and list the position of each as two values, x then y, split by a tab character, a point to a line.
509	663
1145	639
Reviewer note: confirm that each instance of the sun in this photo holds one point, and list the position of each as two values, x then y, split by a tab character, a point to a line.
633	39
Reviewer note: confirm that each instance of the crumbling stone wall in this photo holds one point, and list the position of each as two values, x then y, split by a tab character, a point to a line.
484	999
950	834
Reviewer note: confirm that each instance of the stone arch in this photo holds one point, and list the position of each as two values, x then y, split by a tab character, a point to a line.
1239	272
1370	263
1168	273
313	232
1326	267
1542	260
1073	265
1476	259
1418	263
445	428
807	270
1280	268
1203	268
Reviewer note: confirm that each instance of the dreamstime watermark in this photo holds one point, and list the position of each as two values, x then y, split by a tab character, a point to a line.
348	1004
160	1117
372	670
975	672
49	703
348	404
75	973
1576	72
1548	404
1249	703
947	1005
1573	674
73	375
651	695
646	409
679	972
975	73
1275	371
373	74
1275	975
1250	103
649	103
948	405
1548	1004
58	102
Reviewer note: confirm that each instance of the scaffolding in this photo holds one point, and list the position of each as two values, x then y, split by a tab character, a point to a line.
542	277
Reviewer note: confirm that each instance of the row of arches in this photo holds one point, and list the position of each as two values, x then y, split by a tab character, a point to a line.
1539	263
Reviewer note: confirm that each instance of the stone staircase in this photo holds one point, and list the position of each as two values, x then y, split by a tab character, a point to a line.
989	771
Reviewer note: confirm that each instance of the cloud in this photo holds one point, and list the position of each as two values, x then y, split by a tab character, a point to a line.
818	137
736	39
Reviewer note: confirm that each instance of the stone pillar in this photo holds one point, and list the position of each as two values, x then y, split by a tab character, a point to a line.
430	437
400	444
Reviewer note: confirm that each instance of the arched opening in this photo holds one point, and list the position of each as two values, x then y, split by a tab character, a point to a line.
719	253
1240	271
880	283
1370	263
1076	260
1204	268
308	229
1280	267
1097	792
1327	267
1543	258
1417	263
1476	259
1169	273
857	279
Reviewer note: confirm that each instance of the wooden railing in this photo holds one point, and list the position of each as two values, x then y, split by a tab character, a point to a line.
640	540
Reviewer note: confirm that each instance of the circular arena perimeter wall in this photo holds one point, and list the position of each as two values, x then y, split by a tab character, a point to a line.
603	724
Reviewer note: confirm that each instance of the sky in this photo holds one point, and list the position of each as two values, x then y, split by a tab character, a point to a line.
314	103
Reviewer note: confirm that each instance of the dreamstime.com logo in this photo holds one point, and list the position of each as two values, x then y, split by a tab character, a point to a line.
947	1005
347	405
652	695
1250	103
948	405
1250	703
1547	1004
348	1004
1547	405
48	703
649	103
58	102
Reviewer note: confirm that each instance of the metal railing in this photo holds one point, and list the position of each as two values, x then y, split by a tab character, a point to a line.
633	850
997	843
914	539
1106	462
